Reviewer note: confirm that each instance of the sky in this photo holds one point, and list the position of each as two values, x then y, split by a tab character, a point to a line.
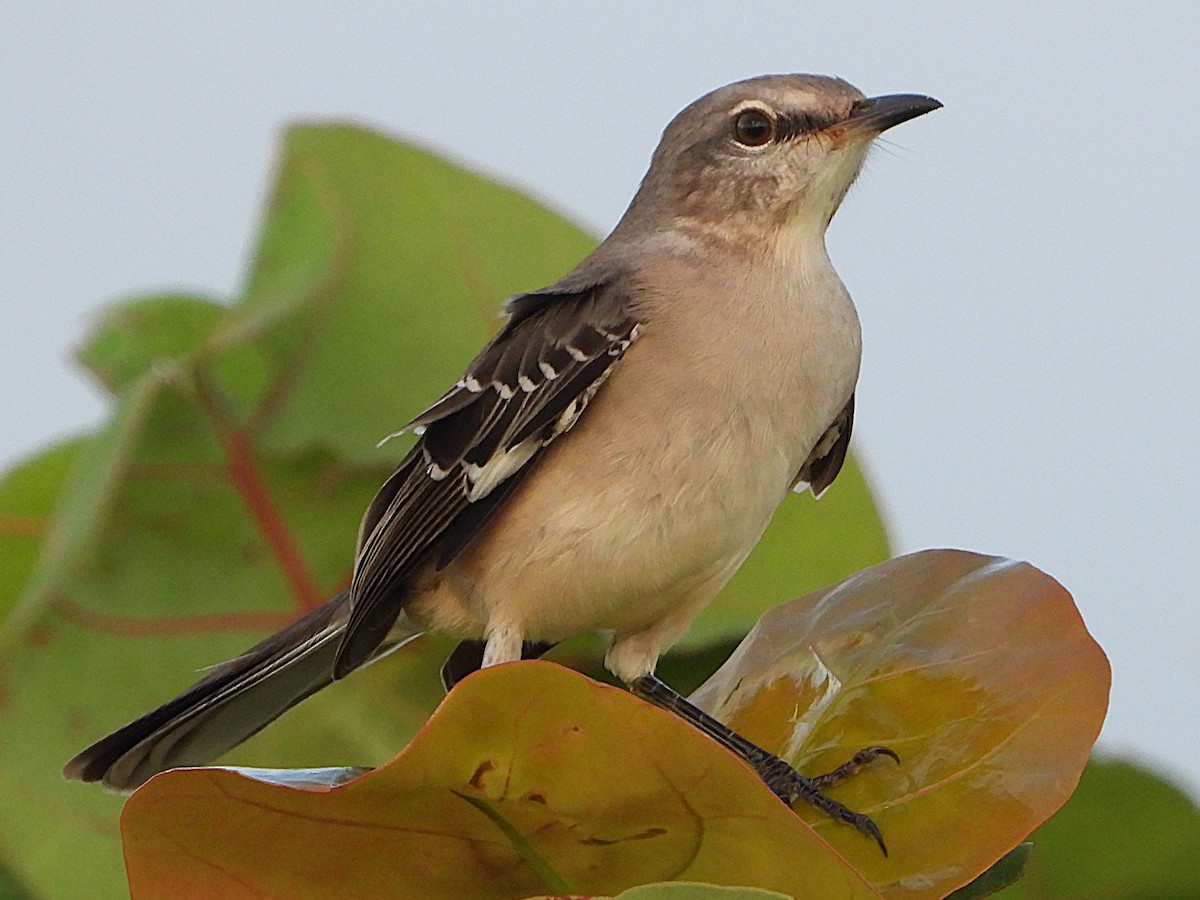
1024	260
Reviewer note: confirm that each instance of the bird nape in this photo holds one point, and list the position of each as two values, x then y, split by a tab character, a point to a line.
610	458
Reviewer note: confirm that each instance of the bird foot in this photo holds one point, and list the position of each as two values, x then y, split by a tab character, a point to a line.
789	785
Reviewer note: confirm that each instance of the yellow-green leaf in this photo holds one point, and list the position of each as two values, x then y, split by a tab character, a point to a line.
525	769
222	497
1125	832
977	671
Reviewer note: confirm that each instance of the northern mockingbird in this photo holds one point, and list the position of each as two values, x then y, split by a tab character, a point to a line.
611	457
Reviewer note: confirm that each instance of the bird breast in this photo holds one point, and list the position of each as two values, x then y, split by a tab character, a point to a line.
668	481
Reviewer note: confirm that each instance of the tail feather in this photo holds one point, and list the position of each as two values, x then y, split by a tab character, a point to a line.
234	701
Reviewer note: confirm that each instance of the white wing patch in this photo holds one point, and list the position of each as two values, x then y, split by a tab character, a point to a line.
527	387
483	479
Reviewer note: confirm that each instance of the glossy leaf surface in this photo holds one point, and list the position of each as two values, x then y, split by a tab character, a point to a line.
223	496
977	670
681	891
529	777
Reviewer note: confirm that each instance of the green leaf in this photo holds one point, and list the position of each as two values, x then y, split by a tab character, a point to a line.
40	832
133	336
809	544
29	495
978	670
1124	833
10	887
223	496
423	253
1006	871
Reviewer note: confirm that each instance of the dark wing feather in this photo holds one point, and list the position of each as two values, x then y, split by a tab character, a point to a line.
827	457
479	440
232	702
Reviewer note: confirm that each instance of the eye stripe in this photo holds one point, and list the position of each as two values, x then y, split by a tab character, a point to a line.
750	117
795	125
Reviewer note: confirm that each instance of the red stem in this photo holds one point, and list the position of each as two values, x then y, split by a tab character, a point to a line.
249	483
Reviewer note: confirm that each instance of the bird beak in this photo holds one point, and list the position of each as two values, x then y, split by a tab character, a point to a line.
877	114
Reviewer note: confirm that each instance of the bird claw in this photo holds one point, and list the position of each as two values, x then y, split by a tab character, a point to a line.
859	760
789	785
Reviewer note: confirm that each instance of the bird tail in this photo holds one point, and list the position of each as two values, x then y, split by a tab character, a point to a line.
233	702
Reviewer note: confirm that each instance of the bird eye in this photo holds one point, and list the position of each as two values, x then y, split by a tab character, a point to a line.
753	128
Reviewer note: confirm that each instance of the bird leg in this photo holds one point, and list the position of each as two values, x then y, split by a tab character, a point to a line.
467	657
785	782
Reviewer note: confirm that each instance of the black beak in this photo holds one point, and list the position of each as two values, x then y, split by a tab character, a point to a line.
878	114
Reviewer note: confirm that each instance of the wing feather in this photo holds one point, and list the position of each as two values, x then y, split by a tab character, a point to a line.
826	459
527	387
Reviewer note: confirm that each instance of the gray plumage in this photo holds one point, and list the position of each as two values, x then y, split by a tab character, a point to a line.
613	454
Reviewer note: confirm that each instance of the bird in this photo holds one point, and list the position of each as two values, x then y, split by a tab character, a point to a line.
612	455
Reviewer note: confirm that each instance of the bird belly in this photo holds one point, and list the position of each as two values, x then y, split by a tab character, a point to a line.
588	544
635	519
606	559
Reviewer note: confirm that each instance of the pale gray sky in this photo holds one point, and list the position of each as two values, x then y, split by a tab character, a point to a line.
1024	260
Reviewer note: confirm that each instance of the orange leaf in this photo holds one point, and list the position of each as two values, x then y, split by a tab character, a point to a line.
528	777
977	671
531	779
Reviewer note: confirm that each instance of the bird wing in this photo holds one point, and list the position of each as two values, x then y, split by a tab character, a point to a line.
232	702
527	387
825	461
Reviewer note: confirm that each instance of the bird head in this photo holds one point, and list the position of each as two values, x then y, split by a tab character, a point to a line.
768	152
